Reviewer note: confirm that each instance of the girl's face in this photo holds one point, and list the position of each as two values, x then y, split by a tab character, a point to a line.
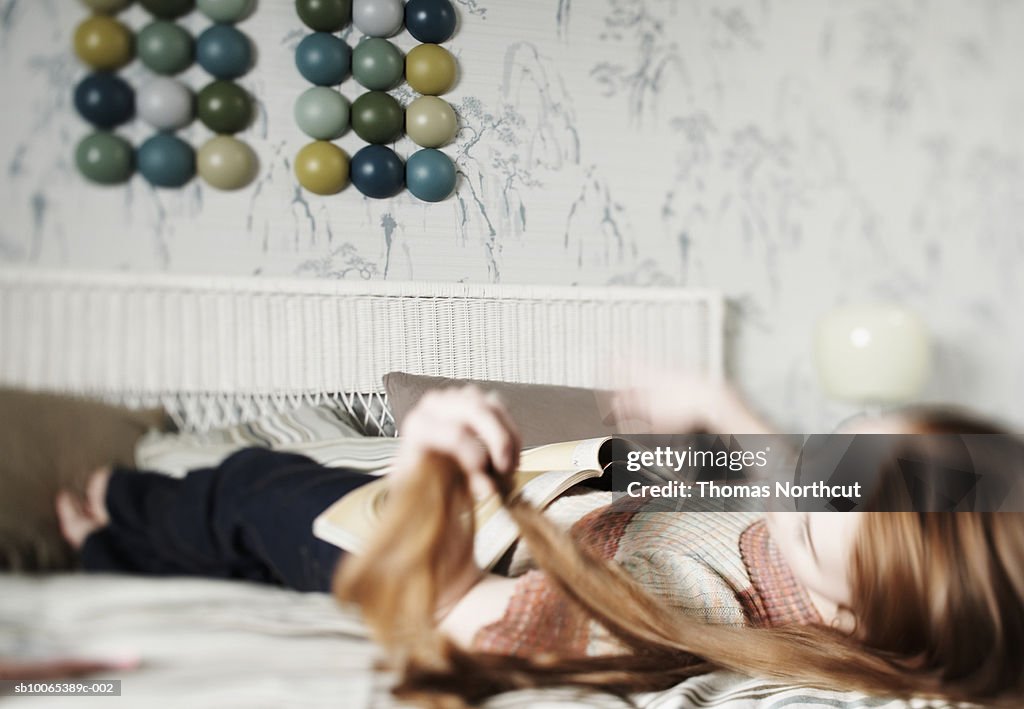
817	548
817	545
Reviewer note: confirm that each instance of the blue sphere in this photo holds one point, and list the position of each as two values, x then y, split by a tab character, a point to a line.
430	175
430	21
323	59
166	161
105	100
377	172
224	52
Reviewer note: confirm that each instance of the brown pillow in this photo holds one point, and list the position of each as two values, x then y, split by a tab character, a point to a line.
49	441
544	413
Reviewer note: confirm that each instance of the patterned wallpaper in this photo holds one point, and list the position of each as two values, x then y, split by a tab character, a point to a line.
795	154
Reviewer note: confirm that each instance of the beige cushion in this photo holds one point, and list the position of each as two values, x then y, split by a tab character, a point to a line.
543	413
50	441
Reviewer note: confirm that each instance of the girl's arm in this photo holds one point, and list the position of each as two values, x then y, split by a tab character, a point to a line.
483	604
681	403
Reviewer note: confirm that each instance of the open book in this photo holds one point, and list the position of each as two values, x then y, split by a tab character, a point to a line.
544	473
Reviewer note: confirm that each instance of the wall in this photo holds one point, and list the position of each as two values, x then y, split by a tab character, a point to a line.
795	154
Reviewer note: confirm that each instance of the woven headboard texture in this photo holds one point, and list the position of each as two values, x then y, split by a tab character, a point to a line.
217	350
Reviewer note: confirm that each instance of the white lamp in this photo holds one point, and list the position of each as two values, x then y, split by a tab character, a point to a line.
873	353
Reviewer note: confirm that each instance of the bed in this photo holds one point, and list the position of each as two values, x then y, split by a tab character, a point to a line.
216	351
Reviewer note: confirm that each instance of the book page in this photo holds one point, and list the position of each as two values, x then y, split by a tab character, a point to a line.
496	531
571	455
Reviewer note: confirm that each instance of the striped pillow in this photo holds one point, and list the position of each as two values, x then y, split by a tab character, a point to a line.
326	434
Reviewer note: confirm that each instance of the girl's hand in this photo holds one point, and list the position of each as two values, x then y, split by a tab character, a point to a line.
684	403
473	430
467	425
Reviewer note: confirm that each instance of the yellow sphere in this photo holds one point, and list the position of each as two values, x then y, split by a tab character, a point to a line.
430	121
104	43
226	163
430	69
322	168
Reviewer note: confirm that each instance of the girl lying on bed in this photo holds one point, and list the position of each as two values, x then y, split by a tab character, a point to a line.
902	604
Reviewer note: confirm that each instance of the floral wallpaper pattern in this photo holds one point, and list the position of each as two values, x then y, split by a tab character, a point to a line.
796	155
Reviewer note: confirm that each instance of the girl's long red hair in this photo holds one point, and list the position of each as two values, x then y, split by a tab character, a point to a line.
938	599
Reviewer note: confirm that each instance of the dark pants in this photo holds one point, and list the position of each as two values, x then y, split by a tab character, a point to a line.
250	517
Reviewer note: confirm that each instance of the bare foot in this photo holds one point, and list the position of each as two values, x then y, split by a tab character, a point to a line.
79	518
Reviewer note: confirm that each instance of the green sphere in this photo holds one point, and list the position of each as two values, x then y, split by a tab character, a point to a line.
224	107
377	117
377	64
168	9
225	11
322	113
165	47
105	158
106	7
324	15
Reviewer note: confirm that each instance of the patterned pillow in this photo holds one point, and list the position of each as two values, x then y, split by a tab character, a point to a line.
327	434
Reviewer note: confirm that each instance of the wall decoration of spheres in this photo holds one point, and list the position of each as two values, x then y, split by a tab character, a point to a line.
226	163
103	43
377	64
430	21
224	52
224	107
107	7
431	122
322	113
322	168
229	11
105	100
377	172
323	59
430	175
378	18
165	47
324	15
166	161
105	158
166	104
168	9
430	69
377	117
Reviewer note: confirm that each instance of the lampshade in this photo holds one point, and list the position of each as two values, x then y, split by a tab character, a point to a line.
872	353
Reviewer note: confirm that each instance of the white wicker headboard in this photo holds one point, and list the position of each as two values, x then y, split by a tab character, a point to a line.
214	350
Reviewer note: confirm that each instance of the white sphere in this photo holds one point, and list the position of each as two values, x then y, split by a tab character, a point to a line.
165	104
378	18
873	352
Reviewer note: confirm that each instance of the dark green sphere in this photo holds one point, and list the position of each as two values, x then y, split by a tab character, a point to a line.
168	9
377	117
225	107
324	15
